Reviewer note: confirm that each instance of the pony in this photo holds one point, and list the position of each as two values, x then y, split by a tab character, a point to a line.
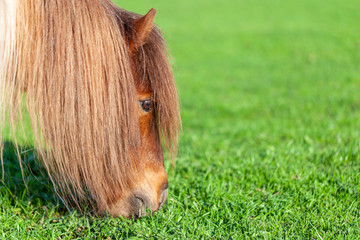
101	97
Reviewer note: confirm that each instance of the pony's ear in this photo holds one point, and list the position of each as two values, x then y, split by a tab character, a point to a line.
142	28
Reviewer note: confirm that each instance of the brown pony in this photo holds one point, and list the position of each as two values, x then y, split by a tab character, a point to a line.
100	94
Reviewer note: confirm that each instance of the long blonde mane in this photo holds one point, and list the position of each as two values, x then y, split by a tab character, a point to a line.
71	59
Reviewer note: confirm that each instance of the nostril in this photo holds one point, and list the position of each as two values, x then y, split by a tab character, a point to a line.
163	197
139	207
143	205
165	186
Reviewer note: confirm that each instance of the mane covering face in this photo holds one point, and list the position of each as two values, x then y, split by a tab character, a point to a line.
100	94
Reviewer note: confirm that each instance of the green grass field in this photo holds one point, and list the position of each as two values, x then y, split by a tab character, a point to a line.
270	147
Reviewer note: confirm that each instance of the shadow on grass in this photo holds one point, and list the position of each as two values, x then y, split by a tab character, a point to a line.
52	214
32	184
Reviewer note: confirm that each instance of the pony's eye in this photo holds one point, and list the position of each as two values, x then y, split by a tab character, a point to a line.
147	105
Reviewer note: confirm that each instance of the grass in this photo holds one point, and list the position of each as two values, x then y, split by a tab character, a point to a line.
271	141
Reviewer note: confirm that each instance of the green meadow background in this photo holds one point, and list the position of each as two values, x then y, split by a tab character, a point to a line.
271	129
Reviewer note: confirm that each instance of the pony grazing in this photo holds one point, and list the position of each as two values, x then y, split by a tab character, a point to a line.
101	97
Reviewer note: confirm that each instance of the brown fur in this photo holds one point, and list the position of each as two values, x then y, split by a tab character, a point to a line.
72	59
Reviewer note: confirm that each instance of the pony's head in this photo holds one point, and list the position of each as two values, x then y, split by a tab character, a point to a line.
101	98
156	96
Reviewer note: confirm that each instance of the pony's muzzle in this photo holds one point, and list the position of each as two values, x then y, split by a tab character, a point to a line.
140	201
142	205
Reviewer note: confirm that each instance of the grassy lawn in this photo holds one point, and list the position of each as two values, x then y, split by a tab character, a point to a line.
270	147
